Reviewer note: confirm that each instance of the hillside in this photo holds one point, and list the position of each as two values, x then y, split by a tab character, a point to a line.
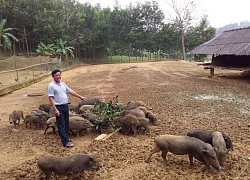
232	26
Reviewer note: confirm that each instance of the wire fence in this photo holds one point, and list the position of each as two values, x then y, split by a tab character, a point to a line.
15	70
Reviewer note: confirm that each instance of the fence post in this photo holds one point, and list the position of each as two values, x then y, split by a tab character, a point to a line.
33	73
17	77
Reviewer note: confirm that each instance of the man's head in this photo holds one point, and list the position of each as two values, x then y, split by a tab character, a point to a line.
56	74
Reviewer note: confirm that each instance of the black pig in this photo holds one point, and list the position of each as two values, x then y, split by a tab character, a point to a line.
90	101
104	124
45	107
207	136
66	165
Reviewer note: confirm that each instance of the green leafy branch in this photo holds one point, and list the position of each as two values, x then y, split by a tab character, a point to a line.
107	111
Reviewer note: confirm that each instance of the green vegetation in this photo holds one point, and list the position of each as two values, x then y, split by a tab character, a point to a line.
118	59
45	50
91	33
62	50
108	111
59	49
5	36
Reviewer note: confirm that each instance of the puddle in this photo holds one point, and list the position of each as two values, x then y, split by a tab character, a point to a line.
217	98
205	97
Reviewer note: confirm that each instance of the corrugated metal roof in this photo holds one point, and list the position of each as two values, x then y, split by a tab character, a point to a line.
232	42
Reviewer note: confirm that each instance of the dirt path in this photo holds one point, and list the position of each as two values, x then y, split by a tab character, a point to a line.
181	95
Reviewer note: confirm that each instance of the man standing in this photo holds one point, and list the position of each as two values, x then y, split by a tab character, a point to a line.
57	92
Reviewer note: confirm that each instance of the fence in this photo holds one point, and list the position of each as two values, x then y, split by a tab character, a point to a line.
17	70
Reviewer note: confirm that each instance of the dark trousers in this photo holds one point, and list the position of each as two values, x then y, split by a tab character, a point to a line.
62	122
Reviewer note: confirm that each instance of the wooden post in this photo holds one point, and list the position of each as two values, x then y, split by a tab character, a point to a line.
212	69
17	76
212	72
212	61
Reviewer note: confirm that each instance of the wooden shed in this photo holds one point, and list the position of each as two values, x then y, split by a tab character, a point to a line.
229	50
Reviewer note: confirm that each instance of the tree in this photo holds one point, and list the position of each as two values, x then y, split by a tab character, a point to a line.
24	21
120	28
96	32
183	17
199	34
152	21
103	39
5	36
170	41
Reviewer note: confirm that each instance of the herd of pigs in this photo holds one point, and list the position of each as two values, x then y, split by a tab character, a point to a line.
208	146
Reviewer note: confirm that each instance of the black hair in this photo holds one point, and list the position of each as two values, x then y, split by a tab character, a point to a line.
55	71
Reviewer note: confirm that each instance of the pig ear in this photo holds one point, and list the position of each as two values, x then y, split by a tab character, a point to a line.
226	138
89	153
215	149
204	152
91	160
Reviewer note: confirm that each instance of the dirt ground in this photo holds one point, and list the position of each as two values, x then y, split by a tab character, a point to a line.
181	95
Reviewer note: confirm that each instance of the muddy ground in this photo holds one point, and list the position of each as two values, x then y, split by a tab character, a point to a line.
181	95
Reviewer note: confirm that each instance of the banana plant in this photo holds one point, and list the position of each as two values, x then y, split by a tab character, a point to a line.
62	50
45	50
5	36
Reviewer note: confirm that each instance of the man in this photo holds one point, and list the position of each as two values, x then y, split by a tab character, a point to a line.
57	93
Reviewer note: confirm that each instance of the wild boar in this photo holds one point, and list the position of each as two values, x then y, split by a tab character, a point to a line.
52	112
136	112
90	116
207	136
51	123
44	107
129	123
40	113
90	101
182	145
143	124
73	108
71	113
219	143
15	117
79	125
37	121
88	109
66	165
135	104
152	117
144	109
105	123
76	123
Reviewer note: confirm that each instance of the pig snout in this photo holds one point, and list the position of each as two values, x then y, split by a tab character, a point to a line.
222	156
10	119
219	169
211	158
215	163
94	164
99	166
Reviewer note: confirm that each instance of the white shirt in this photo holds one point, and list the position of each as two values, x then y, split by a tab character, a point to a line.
59	92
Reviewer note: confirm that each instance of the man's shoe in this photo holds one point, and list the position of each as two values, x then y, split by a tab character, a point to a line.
69	144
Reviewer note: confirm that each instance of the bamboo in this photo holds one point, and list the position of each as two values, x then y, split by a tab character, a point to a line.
111	134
